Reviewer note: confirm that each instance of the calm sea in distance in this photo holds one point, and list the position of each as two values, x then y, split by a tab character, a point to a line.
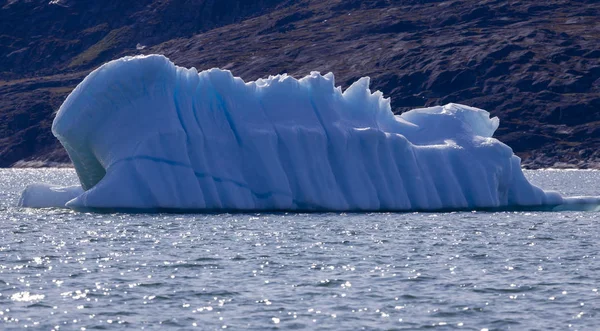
66	270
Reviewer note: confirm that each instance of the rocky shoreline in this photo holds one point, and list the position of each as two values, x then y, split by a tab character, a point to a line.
534	165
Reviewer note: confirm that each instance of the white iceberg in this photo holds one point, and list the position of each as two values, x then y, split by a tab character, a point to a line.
144	134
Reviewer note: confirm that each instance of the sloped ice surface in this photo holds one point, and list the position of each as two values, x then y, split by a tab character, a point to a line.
144	134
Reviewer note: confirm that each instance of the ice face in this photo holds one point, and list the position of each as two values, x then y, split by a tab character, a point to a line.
45	196
145	134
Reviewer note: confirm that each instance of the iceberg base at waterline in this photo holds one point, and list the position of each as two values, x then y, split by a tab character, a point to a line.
54	196
146	135
41	195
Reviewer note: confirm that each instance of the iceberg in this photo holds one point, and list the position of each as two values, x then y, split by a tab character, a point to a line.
144	134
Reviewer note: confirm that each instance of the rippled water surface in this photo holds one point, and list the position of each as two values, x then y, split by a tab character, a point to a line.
472	271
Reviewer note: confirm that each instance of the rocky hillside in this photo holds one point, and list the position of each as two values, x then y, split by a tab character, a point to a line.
535	64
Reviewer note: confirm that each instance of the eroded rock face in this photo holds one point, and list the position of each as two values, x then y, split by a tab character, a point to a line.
534	64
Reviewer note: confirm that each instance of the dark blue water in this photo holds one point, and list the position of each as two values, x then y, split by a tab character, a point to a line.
471	270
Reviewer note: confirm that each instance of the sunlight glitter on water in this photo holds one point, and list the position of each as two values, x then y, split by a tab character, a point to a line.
26	297
305	271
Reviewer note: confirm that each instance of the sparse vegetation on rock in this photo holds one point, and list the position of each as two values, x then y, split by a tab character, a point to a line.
534	64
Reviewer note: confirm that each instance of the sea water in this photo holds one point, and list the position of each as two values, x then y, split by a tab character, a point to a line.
66	270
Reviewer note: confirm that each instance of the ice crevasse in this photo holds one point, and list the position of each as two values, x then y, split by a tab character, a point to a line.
144	134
